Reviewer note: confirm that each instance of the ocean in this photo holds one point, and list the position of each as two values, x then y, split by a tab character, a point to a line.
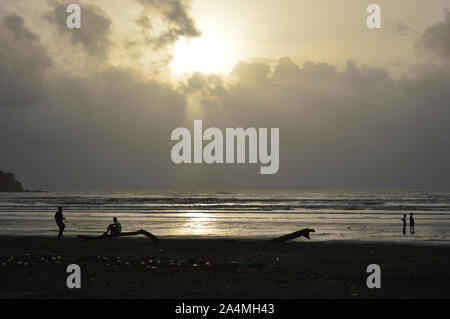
252	214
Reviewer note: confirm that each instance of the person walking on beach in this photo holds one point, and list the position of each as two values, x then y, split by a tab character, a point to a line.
411	223
59	218
404	223
115	228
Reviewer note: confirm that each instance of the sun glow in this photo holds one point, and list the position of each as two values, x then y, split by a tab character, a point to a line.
210	53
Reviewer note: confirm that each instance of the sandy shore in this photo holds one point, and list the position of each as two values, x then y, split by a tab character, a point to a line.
140	268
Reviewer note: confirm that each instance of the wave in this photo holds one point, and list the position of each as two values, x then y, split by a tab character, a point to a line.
240	201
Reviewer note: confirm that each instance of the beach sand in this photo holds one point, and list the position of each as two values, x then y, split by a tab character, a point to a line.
35	267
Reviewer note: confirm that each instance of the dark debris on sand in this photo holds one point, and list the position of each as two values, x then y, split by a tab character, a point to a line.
139	268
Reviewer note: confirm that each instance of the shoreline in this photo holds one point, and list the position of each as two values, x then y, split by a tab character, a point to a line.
220	268
387	241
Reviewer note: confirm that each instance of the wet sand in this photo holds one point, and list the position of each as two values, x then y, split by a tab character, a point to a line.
35	267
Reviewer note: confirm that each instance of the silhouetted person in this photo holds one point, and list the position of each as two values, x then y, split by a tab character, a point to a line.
411	223
59	218
404	223
115	228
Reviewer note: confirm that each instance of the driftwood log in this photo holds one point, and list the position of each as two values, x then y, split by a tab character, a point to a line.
139	232
304	232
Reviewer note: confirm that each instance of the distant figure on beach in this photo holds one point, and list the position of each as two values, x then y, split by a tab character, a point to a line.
59	218
115	228
404	223
411	223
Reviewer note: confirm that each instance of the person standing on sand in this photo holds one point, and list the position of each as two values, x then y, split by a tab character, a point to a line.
59	218
404	223
411	223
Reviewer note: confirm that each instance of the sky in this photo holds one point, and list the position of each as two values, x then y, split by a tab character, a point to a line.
93	108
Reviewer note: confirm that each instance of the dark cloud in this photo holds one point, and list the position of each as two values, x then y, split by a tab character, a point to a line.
16	25
436	38
109	127
106	128
210	88
95	29
251	73
354	127
23	63
174	14
144	23
311	75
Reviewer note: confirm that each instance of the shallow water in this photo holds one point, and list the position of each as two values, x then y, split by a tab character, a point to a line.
335	215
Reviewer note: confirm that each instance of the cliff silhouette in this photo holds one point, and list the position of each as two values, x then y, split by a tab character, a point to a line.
8	183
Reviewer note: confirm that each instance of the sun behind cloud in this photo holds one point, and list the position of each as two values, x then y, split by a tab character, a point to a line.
209	53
